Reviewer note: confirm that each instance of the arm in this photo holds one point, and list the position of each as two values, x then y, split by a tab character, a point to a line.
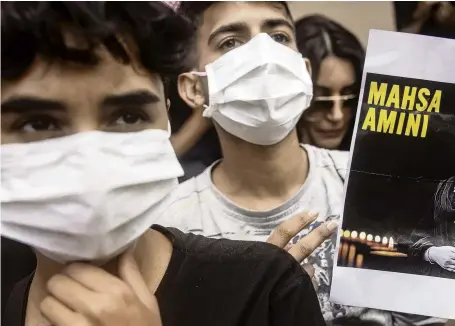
190	133
412	22
445	14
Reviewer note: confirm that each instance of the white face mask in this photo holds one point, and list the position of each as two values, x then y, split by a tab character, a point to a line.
87	196
259	90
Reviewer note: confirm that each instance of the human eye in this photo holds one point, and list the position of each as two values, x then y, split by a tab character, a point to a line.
280	38
35	124
129	118
229	44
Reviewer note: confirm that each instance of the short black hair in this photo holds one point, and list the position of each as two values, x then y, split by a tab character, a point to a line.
31	29
194	10
319	37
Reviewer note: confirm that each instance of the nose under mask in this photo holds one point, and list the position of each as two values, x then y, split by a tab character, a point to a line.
258	91
86	197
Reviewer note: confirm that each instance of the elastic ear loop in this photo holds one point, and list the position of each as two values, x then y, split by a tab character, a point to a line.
208	112
169	130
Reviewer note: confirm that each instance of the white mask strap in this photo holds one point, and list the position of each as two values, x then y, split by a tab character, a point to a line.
207	113
199	73
169	131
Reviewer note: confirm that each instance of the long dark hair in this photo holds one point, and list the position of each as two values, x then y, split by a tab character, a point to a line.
444	207
319	37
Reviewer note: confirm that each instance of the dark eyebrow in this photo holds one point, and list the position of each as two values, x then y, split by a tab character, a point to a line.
273	23
322	87
140	97
237	27
21	104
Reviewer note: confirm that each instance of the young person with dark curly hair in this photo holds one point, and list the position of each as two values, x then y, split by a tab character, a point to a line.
87	166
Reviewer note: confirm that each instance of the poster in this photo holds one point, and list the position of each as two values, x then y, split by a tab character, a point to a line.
396	249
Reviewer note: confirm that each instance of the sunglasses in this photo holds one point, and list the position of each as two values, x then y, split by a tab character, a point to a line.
323	104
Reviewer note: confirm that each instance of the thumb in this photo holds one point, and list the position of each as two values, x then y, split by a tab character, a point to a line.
130	274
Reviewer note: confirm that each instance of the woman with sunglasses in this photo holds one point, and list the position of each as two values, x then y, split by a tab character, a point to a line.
336	57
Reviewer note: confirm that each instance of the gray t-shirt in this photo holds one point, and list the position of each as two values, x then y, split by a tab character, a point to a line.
197	206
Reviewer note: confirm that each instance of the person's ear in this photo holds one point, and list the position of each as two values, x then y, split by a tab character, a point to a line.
191	90
168	104
308	66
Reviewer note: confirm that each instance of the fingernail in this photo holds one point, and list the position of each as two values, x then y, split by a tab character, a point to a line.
312	214
332	225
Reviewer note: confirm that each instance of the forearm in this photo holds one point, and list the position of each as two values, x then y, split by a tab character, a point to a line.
190	133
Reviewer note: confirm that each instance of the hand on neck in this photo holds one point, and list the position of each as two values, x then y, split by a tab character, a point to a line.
152	253
260	171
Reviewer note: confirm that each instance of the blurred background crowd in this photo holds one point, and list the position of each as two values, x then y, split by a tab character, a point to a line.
333	35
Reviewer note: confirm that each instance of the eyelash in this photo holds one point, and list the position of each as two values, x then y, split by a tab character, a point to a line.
224	42
287	39
133	111
57	124
21	123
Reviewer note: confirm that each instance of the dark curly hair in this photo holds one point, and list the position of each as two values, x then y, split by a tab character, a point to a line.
31	29
319	37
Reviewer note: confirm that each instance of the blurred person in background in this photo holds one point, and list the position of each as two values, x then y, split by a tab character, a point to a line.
336	57
432	18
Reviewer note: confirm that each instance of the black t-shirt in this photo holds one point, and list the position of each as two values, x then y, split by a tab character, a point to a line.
220	283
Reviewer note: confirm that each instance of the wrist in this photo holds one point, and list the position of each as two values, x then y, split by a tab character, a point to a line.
428	256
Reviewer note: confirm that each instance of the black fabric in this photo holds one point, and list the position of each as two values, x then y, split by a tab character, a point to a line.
16	306
18	261
223	283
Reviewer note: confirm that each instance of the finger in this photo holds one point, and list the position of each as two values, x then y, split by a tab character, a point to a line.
305	247
287	247
315	284
289	229
60	315
93	278
309	269
130	274
70	293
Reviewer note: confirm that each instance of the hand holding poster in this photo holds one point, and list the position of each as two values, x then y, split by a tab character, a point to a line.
396	250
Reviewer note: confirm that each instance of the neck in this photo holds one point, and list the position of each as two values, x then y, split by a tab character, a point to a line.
261	171
152	254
